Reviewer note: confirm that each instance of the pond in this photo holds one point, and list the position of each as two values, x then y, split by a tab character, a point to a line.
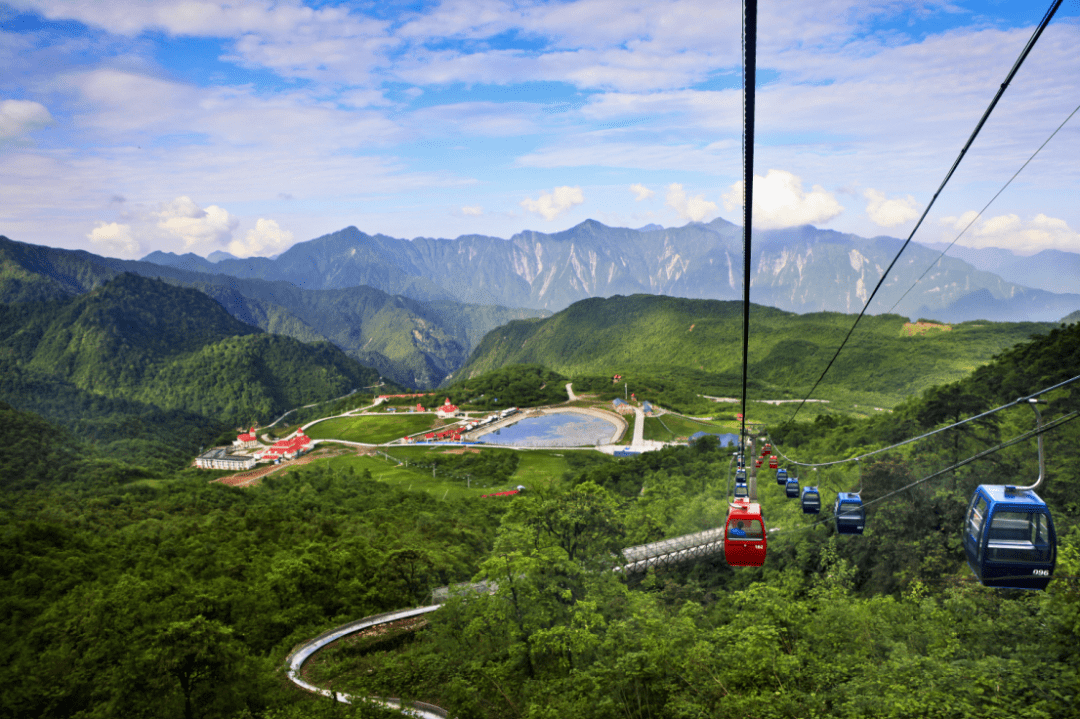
561	429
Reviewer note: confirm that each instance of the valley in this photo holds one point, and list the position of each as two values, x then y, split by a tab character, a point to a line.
449	360
116	381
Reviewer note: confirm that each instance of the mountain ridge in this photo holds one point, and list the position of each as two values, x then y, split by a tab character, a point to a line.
799	269
413	342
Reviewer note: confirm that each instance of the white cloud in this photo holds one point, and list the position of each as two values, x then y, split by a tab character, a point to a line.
472	210
115	240
641	192
1011	233
20	117
695	209
201	231
780	201
889	213
551	205
266	237
491	119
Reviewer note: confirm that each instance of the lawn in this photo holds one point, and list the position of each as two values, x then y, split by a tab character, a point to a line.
372	428
671	427
537	468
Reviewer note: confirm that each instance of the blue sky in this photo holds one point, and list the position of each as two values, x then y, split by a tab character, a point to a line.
188	125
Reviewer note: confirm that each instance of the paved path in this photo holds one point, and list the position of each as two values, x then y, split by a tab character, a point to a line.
763	401
570	391
639	429
335	399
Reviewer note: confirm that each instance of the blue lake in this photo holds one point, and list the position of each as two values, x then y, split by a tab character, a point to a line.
563	429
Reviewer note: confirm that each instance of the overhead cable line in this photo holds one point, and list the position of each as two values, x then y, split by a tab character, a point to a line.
980	213
986	452
749	90
987	413
978	127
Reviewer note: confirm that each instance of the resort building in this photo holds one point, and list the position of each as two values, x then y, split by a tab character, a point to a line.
247	440
288	448
219	458
447	409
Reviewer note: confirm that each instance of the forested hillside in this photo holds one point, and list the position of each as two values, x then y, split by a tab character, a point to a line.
143	590
699	340
146	367
413	342
887	624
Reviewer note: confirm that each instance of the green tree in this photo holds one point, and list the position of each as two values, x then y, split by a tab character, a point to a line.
203	658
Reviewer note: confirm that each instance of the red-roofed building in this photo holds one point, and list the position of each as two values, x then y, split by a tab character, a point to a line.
420	407
246	440
288	448
447	409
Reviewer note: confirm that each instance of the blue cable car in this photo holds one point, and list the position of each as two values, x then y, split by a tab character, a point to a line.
1009	535
850	514
1009	538
740	475
791	488
781	476
741	490
811	500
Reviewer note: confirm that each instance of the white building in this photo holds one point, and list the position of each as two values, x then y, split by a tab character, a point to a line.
219	458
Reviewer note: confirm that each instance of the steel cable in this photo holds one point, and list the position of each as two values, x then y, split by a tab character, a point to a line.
982	121
931	433
987	205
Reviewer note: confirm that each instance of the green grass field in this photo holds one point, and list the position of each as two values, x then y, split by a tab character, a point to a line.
372	428
670	427
536	469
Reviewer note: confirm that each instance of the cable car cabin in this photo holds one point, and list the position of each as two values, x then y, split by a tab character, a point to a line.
740	475
1009	538
741	490
792	488
781	476
766	449
850	515
757	463
811	500
773	464
744	535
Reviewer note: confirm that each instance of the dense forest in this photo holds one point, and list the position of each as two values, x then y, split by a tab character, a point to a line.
512	386
888	624
150	372
141	590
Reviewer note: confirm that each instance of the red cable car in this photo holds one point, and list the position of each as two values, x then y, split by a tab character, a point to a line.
744	535
773	463
757	462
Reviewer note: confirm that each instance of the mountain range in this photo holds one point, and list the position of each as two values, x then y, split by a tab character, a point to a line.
799	269
412	342
1050	270
415	309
